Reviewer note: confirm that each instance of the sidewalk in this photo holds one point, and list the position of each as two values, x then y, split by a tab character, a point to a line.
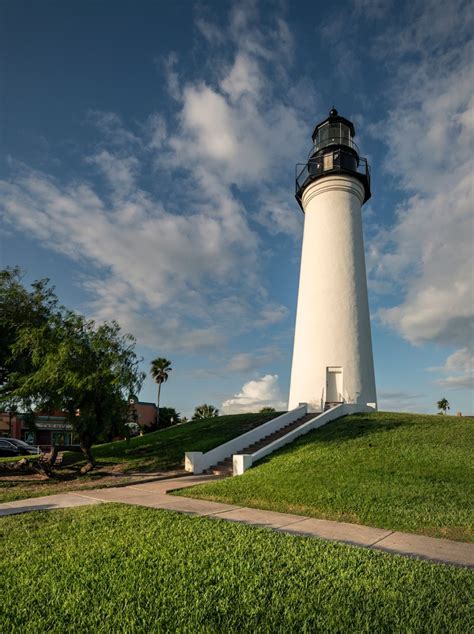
154	495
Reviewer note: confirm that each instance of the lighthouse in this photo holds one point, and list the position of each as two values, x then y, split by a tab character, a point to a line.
332	353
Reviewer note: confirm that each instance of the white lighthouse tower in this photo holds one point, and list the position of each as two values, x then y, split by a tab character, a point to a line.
332	355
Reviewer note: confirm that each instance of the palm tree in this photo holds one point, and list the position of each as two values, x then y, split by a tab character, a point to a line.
443	405
205	411
160	369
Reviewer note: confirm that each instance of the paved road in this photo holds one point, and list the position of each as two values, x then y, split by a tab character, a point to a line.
155	495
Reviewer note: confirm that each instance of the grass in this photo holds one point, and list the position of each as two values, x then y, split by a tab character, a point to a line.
32	456
158	451
117	568
165	449
403	472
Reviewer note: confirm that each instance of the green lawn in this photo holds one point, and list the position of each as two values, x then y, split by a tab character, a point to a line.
403	472
117	568
165	449
158	451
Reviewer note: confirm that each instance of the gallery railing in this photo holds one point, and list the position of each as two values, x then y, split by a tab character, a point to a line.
337	161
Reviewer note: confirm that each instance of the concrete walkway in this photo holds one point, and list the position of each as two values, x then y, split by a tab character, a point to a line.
154	495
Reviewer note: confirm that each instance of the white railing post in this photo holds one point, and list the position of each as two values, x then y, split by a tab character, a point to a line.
240	463
193	462
197	462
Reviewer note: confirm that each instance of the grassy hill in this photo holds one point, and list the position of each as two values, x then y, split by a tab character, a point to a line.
165	449
396	471
155	452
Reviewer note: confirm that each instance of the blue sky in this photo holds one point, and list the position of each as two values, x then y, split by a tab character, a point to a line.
147	169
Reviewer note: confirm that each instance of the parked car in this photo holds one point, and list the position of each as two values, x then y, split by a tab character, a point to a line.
7	450
10	447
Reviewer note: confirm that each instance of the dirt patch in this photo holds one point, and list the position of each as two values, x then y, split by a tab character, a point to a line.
20	487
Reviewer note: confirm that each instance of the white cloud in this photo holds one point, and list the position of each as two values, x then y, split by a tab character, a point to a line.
156	131
458	370
180	271
241	363
427	254
164	276
254	395
179	262
119	171
240	124
243	79
112	129
278	213
399	401
171	75
245	362
373	9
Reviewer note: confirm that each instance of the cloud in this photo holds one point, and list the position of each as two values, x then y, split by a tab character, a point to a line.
278	214
458	370
164	276
240	124
171	76
179	263
120	172
245	362
373	9
399	401
254	395
112	129
241	363
426	255
210	31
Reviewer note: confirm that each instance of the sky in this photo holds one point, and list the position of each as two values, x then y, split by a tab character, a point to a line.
147	166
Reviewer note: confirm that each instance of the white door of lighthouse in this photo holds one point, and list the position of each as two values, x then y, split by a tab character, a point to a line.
334	385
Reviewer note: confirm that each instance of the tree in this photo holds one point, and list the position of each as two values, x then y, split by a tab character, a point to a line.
72	364
19	309
267	410
160	369
168	417
443	405
205	411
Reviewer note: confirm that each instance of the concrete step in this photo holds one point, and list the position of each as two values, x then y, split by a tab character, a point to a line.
276	435
225	467
221	471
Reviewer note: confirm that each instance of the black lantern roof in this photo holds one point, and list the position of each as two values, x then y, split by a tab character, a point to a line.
333	152
334	117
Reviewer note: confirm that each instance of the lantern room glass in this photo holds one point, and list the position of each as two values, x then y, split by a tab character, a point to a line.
333	134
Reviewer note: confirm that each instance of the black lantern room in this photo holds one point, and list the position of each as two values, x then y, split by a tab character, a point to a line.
333	151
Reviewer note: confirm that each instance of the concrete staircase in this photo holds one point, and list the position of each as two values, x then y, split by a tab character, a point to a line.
330	404
225	467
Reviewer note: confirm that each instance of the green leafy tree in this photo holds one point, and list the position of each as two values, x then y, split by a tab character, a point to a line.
168	417
160	369
205	411
267	410
74	365
20	308
443	405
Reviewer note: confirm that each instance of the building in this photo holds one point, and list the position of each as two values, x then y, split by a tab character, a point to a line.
332	354
53	429
49	429
145	413
10	425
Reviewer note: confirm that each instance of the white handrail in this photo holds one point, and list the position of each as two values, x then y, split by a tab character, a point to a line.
242	462
197	461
